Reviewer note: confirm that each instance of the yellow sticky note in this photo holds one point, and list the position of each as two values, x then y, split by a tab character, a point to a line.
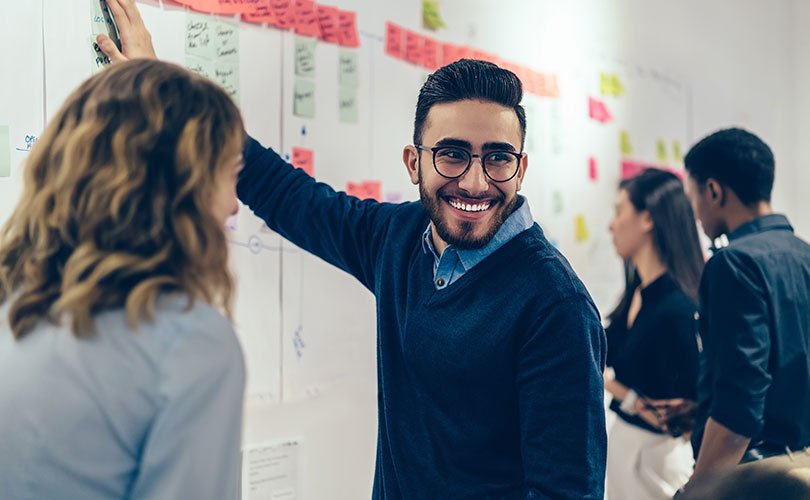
624	143
610	84
580	229
661	147
677	152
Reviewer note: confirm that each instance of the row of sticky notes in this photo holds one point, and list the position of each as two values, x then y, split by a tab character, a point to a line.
431	54
304	159
305	17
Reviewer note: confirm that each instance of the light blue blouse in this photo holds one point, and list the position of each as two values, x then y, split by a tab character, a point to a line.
152	413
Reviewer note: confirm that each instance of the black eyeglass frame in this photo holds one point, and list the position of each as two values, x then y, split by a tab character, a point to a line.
436	149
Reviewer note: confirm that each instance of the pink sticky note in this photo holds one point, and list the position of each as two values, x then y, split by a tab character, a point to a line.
393	40
283	14
430	53
330	24
413	47
598	111
348	29
631	168
304	159
593	174
365	190
306	18
262	13
450	53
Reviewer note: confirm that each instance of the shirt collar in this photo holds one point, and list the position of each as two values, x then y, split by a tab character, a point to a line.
517	222
772	222
658	288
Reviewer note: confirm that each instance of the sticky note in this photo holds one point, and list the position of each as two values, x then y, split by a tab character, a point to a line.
430	54
556	203
610	85
677	152
5	151
226	42
304	159
394	39
348	71
450	53
580	229
347	103
625	146
283	14
200	36
348	29
261	12
365	190
593	174
219	6
202	67
307	22
631	168
598	111
431	17
227	76
413	47
304	98
661	150
305	56
329	22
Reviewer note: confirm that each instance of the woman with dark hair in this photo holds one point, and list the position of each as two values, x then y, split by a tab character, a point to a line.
652	336
120	373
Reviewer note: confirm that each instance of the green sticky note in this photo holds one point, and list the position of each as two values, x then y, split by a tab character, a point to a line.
5	152
625	145
202	67
304	98
661	148
305	56
227	76
431	17
226	42
677	152
200	33
348	105
347	68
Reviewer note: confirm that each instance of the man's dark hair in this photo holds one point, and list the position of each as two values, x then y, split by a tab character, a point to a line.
470	79
735	158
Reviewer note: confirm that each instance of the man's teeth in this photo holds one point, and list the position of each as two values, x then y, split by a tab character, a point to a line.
479	207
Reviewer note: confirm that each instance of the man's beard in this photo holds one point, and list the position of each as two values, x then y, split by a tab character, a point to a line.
463	239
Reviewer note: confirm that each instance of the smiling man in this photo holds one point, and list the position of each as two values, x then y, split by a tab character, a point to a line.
489	349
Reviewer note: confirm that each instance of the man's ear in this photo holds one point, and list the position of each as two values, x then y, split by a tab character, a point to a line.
410	157
524	165
716	191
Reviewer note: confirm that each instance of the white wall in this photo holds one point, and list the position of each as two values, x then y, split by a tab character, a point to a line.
800	209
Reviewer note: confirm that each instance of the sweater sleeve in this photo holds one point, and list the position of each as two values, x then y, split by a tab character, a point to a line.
343	230
562	414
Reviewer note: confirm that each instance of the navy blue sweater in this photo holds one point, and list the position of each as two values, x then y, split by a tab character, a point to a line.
488	389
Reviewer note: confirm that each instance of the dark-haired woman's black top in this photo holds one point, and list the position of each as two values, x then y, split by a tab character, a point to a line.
658	356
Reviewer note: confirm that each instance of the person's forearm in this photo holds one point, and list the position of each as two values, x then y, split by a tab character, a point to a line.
721	448
616	388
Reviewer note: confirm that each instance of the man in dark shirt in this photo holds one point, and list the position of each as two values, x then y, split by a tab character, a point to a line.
754	391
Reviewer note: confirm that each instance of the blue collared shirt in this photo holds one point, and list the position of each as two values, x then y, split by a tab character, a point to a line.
453	263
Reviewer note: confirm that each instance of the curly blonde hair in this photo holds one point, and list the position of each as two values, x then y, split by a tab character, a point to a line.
116	206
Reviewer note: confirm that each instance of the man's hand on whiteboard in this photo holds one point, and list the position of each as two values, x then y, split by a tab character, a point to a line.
136	42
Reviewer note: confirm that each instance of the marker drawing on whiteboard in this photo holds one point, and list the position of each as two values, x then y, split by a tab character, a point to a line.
298	342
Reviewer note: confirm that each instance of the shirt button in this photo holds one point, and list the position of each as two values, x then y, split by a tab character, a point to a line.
440	282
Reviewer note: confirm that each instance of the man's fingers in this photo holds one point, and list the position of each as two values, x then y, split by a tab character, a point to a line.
122	20
133	14
110	50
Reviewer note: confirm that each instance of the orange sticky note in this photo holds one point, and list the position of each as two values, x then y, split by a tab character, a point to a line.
283	14
347	23
413	47
306	18
393	40
304	159
450	53
431	53
330	24
365	190
261	13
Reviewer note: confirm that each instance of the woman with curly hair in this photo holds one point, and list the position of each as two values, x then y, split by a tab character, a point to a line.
120	374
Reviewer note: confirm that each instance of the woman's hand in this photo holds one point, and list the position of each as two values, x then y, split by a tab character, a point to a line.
136	41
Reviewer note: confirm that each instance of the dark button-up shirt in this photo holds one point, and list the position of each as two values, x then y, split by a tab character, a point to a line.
755	326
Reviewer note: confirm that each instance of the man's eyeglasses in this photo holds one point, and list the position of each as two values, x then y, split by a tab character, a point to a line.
452	162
